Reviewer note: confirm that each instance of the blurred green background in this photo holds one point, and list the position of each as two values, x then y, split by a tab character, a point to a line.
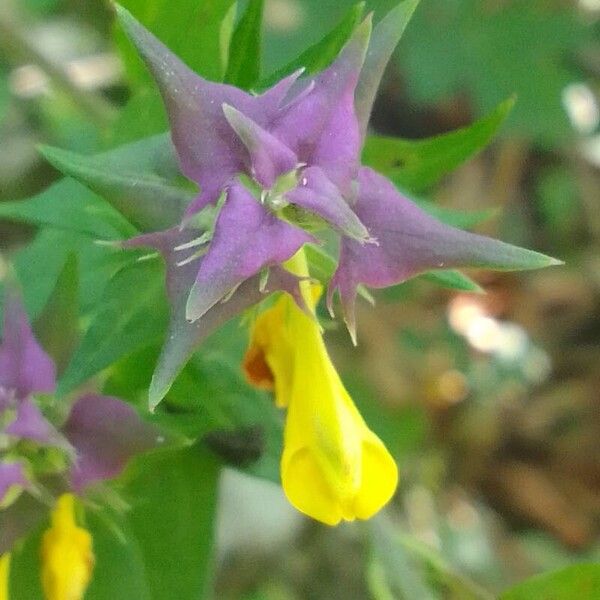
490	403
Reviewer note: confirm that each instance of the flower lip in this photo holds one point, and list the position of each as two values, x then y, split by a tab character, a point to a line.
333	467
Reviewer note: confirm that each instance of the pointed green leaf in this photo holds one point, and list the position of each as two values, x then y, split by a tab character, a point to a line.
119	570
322	54
173	500
38	266
225	35
385	38
191	29
24	576
463	47
453	280
577	581
132	313
417	165
143	115
63	309
193	32
140	180
210	400
243	66
71	206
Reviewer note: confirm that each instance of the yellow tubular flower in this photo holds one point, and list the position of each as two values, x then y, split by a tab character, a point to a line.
67	557
333	466
4	574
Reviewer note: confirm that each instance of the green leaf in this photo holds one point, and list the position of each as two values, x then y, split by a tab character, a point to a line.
243	66
225	35
417	165
386	36
191	30
119	570
211	400
173	501
141	180
321	55
25	582
132	313
454	280
39	264
541	33
212	397
580	581
71	206
63	310
143	115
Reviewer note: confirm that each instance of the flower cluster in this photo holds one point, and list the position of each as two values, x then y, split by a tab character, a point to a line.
275	169
44	457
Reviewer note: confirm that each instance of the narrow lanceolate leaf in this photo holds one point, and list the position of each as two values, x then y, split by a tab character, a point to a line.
62	308
453	280
191	30
385	38
39	265
69	206
417	165
322	54
131	314
225	35
243	67
138	179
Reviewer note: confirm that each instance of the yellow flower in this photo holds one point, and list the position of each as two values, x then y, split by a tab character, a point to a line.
67	557
333	466
4	573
